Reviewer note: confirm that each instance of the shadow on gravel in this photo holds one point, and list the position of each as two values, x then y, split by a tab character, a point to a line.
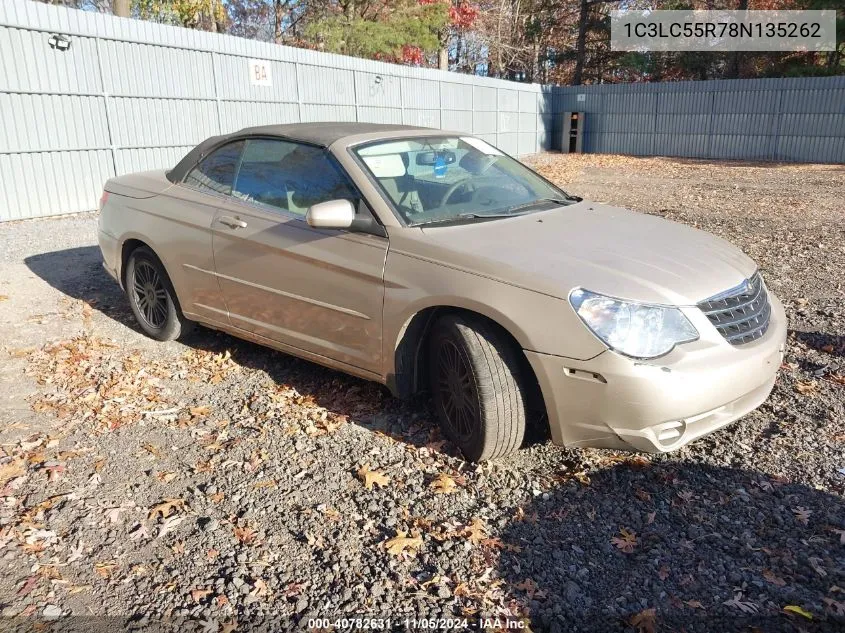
822	341
709	549
79	273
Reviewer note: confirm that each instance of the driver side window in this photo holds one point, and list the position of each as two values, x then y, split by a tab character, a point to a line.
289	176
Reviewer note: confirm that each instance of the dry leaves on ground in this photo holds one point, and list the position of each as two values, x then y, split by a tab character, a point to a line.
626	541
794	608
372	477
802	515
403	544
443	484
166	508
644	621
807	388
773	578
475	532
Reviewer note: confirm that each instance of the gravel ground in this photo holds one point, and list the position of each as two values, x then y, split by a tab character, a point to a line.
218	485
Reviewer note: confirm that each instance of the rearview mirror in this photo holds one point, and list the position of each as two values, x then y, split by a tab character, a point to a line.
333	214
430	158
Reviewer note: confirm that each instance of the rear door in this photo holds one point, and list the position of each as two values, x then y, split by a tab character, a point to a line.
316	290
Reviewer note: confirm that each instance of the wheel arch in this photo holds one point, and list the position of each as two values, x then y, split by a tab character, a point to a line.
132	243
409	356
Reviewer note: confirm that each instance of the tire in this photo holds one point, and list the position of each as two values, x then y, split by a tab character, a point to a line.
152	298
477	387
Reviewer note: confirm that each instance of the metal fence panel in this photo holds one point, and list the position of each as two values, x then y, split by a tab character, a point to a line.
131	95
797	119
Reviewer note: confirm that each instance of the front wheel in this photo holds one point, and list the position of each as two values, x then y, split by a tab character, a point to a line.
477	386
152	298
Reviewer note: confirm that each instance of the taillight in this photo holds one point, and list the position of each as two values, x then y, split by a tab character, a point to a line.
103	199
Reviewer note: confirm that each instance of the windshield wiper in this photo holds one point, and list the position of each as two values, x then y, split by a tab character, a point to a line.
470	216
525	205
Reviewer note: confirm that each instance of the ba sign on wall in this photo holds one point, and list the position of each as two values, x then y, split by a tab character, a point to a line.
259	73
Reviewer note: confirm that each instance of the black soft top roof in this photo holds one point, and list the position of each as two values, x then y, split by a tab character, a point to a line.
319	133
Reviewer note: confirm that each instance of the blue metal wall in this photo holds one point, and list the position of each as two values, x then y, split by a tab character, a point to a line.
796	120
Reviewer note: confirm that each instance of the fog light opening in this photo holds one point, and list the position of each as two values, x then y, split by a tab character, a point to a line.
671	431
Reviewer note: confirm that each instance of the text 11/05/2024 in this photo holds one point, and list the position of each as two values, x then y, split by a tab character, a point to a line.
340	625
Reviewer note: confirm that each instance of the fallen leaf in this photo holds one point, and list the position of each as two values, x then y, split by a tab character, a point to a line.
694	604
169	525
402	543
260	588
197	595
372	477
104	569
663	572
200	411
267	483
139	532
644	621
28	585
626	542
807	388
802	514
528	586
245	534
475	532
10	470
743	605
828	348
165	477
773	578
4	297
443	484
836	606
794	608
166	508
152	450
816	564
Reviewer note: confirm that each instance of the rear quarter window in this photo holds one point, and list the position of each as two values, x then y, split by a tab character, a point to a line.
216	172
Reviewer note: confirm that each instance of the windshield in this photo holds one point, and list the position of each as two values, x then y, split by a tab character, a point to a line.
447	178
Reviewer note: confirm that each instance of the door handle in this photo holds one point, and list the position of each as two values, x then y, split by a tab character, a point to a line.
232	223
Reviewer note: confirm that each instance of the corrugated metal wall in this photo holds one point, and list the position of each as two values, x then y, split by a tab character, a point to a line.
796	120
130	95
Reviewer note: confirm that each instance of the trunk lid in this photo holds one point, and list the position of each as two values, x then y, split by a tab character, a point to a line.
145	184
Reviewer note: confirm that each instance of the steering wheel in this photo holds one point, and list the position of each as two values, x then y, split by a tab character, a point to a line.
465	183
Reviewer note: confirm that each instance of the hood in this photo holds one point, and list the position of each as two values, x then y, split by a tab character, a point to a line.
605	249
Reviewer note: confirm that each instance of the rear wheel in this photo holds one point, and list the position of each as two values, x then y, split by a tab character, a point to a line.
476	386
152	298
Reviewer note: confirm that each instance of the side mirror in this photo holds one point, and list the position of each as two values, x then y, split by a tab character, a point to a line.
332	214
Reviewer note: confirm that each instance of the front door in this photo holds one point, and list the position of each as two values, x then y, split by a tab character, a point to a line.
316	290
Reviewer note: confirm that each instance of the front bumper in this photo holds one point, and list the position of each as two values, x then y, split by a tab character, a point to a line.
659	405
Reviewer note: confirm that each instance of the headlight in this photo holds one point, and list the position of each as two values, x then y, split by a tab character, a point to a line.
633	329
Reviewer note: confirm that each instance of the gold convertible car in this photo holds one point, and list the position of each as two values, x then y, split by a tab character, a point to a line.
430	260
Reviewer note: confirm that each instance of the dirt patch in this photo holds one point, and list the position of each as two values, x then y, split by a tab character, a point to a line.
218	483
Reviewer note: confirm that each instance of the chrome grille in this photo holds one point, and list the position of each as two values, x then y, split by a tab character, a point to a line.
741	314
